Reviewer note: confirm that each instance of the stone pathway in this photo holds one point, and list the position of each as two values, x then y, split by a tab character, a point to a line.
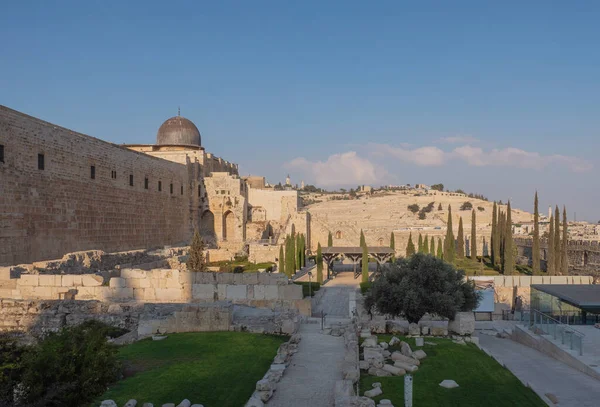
547	375
309	379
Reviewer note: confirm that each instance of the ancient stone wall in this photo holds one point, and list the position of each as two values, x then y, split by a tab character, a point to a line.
82	198
275	205
584	256
265	290
261	253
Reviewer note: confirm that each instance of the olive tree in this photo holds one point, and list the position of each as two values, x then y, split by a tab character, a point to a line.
421	284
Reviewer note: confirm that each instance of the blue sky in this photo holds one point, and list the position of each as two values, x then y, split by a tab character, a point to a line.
499	98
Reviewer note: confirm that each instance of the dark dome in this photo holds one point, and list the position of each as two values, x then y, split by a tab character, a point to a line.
178	131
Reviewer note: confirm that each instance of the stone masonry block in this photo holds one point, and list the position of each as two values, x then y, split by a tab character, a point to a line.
290	292
47	280
138	282
203	291
271	292
29	279
224	278
259	292
250	278
168	294
91	280
236	292
134	273
222	291
67	280
117	282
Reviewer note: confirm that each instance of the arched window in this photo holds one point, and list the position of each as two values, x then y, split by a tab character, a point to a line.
338	234
380	241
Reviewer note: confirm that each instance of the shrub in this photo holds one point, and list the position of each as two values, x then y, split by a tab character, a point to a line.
414	208
238	269
70	367
466	206
422	215
240	258
314	287
364	287
11	368
421	284
196	260
480	208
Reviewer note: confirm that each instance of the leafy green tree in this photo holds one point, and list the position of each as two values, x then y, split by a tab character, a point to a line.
438	187
70	367
330	240
281	267
420	244
196	260
426	244
11	367
557	248
449	243
365	264
422	284
550	259
432	246
414	208
410	246
535	255
460	252
363	242
466	206
473	235
319	260
509	257
564	245
440	249
393	246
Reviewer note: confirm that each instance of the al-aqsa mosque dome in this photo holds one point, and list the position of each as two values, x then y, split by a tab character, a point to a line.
178	131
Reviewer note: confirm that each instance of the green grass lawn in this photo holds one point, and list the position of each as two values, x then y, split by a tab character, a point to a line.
482	381
475	268
216	369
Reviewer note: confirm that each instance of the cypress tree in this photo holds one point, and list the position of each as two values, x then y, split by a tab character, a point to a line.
564	258
302	250
393	246
440	250
460	252
494	252
329	240
289	256
500	237
319	264
426	245
410	246
535	255
297	250
550	258
365	264
449	243
557	248
281	267
363	243
432	246
196	260
420	244
509	258
473	235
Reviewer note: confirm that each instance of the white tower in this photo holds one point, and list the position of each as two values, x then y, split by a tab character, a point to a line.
288	181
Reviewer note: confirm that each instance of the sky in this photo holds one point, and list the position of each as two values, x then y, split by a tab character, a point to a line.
496	98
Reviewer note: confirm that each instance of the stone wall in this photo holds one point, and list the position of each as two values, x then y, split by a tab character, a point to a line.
60	209
275	205
263	253
264	290
584	256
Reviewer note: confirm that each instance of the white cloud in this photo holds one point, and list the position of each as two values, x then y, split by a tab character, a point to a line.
339	169
430	156
458	139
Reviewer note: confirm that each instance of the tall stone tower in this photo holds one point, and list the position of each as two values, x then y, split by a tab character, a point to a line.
288	181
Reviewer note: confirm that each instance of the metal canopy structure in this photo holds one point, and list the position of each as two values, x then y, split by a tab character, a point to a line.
379	253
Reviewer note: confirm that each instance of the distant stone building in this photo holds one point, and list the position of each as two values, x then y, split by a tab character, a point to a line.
62	191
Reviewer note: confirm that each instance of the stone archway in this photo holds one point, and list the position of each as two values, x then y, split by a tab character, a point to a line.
207	226
228	226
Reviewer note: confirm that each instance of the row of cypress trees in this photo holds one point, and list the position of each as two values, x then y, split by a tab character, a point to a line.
557	260
292	254
503	251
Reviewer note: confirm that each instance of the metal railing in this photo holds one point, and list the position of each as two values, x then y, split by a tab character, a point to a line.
550	326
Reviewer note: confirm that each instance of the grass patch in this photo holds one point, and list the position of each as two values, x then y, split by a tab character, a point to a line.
314	287
217	369
481	379
229	266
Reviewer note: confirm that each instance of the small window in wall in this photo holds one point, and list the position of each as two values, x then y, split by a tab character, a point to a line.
93	172
145	183
199	191
222	192
338	234
113	174
159	186
40	161
130	179
2	158
171	188
182	190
